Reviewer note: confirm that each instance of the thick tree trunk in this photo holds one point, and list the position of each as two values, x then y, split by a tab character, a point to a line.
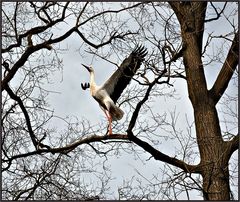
214	164
212	148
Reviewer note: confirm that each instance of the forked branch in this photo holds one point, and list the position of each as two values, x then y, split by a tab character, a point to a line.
147	147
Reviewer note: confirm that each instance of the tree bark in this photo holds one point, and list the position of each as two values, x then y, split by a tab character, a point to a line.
213	150
211	145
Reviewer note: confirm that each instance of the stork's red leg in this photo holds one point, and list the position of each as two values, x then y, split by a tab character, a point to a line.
109	118
110	125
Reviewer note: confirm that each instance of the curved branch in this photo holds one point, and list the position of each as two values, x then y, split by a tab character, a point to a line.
111	11
21	62
95	138
227	71
35	30
147	147
66	149
139	105
28	121
217	13
112	37
163	157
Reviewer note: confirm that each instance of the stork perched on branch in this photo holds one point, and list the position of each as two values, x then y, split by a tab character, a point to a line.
108	94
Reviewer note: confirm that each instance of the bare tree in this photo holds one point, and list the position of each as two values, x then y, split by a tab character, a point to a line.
41	162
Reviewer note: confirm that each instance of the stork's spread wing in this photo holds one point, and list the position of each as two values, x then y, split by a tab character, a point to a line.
123	75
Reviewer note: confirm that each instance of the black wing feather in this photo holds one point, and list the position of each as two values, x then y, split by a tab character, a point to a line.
123	75
85	86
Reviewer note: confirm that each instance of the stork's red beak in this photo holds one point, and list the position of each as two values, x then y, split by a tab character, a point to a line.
87	67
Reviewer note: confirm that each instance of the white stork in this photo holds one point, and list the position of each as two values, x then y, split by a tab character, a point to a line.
108	94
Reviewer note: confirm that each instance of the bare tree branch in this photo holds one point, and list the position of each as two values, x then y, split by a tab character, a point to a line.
217	13
110	11
147	147
21	62
227	71
35	30
163	157
28	121
112	37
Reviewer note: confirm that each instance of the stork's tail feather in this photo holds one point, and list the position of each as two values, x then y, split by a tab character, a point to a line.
116	113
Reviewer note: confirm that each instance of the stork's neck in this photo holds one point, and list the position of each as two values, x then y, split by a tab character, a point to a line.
93	85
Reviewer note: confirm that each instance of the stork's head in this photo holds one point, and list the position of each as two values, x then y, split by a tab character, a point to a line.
89	68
